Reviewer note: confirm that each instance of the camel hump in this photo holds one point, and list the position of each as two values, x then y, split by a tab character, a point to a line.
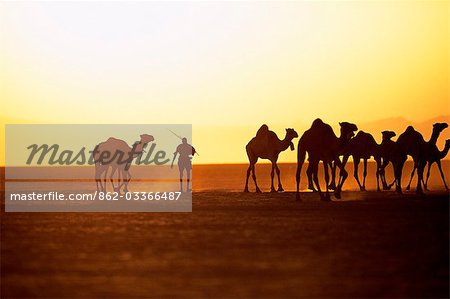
318	129
113	141
362	134
117	142
317	123
263	130
113	144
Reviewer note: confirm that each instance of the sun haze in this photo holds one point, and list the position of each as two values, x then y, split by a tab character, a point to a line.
224	67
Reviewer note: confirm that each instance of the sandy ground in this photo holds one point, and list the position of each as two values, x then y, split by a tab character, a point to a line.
235	245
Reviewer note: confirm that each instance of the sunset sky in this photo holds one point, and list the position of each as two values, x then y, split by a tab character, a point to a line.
224	67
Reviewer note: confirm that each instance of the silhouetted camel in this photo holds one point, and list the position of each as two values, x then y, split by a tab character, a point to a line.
362	146
117	155
323	145
435	156
266	145
389	153
431	151
332	166
410	143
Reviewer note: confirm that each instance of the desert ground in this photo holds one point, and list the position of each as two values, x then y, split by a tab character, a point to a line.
235	245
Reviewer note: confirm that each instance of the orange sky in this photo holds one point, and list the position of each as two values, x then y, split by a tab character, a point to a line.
224	67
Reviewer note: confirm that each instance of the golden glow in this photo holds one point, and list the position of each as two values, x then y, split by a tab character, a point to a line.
224	67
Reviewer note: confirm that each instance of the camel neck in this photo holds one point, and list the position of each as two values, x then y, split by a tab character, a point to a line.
285	143
444	151
138	148
434	137
342	140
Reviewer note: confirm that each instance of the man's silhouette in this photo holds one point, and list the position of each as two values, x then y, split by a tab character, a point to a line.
186	152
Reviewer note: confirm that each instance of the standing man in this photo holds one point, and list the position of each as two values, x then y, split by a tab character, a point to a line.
186	152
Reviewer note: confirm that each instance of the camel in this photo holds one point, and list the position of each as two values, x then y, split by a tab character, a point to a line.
389	152
266	145
362	146
435	156
117	155
410	143
431	152
323	145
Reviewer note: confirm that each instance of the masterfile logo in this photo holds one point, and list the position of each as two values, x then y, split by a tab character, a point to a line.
97	168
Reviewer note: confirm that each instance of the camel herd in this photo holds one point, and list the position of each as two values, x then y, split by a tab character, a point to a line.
322	144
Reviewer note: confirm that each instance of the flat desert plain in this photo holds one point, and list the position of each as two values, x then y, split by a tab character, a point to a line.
235	245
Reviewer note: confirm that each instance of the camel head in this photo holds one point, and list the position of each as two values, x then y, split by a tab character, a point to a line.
348	130
291	134
387	135
439	127
145	138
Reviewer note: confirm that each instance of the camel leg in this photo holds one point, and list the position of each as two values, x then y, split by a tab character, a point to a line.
332	184
309	174
254	179
420	168
398	175
249	169
316	178
252	159
327	181
393	181
127	180
423	177
298	177
111	178
342	177
442	174
126	177
280	187
425	184
297	180
98	181
378	174
383	174
103	181
342	164
411	178
355	172
364	175
272	174
97	177
120	180
105	178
